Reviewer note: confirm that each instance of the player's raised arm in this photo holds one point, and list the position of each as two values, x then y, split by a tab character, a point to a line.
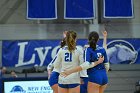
104	39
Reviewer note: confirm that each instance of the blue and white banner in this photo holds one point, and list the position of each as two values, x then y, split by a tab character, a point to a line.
41	52
79	9
42	9
118	9
31	52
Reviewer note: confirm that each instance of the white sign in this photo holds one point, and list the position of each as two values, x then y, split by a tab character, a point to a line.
27	87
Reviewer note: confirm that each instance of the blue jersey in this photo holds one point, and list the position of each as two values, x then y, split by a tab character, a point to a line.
93	55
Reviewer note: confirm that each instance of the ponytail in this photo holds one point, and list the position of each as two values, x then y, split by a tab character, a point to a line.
70	39
92	39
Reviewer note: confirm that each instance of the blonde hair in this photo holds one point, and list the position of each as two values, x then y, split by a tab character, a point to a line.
70	39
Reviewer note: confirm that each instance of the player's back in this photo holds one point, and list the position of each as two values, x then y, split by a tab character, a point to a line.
93	55
70	60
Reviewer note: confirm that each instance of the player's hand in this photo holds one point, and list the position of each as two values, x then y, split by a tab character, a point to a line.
64	33
86	46
64	74
104	33
101	59
49	73
49	76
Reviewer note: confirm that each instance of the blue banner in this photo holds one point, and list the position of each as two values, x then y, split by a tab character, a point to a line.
118	8
79	9
41	9
31	52
41	52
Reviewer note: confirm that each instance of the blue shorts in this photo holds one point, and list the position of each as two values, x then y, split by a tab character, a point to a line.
83	87
99	77
68	85
53	78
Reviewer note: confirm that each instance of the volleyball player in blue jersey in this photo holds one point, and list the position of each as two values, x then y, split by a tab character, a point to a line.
97	75
83	87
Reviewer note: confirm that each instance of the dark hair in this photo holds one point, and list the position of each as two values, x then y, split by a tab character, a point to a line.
70	39
63	42
92	39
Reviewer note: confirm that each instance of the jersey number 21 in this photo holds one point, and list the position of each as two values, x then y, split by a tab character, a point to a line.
68	57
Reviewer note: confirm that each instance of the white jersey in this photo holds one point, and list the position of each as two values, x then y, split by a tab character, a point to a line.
66	60
51	65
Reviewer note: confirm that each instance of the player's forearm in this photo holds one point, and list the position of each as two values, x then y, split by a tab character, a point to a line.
49	72
87	65
50	66
83	66
105	42
95	63
76	69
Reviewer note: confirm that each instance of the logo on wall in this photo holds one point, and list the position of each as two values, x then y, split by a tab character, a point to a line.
35	86
17	89
121	52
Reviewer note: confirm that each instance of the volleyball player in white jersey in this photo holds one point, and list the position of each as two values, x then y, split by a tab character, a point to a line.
69	57
54	73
